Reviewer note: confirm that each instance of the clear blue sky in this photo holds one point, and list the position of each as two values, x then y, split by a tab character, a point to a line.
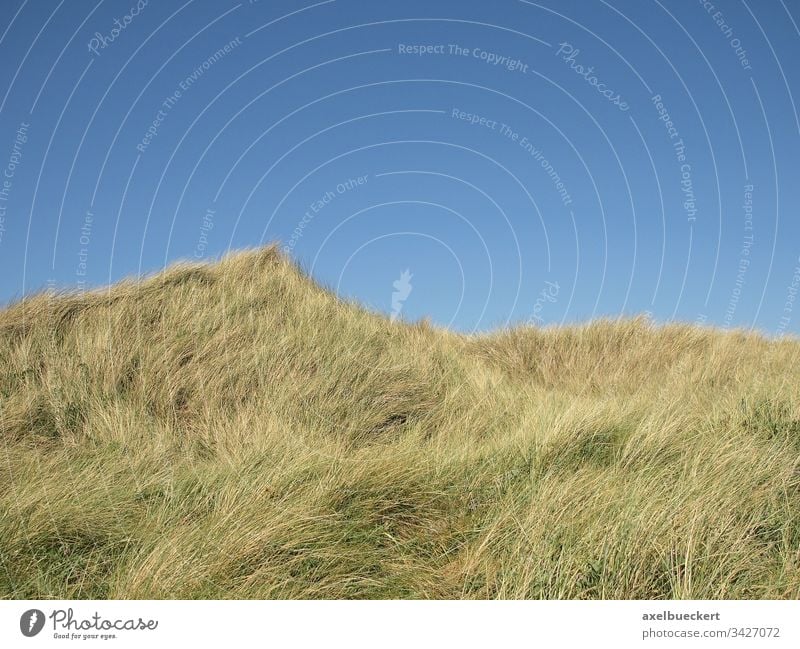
525	162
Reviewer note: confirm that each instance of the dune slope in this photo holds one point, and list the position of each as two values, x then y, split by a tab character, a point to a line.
232	430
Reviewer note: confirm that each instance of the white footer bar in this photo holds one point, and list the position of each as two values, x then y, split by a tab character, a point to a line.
404	624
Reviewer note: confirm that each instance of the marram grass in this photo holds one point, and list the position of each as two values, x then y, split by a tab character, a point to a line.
232	430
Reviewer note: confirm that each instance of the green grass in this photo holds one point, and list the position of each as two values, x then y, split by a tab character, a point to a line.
232	430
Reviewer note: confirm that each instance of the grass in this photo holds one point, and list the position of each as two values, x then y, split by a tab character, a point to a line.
232	430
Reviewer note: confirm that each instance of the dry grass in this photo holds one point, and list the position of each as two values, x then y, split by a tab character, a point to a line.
234	431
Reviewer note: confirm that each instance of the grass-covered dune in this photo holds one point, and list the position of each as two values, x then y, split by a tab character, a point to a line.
232	430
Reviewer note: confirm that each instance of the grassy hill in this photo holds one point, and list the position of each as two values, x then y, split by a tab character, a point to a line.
232	430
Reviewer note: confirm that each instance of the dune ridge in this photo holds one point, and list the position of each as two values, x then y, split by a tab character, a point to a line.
233	430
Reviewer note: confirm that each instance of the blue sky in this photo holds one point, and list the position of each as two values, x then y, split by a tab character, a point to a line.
540	162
